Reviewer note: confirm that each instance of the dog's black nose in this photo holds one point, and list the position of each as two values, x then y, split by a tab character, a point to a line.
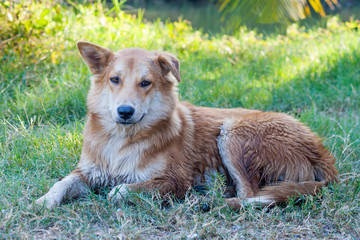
125	112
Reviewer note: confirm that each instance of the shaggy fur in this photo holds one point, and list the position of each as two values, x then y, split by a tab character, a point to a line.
171	146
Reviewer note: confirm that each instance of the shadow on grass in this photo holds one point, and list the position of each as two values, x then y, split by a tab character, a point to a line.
334	89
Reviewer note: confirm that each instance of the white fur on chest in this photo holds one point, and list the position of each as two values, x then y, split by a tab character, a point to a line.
120	164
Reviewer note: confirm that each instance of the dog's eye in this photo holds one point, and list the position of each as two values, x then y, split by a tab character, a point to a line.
145	83
115	80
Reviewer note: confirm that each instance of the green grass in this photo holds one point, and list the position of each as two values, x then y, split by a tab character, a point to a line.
311	74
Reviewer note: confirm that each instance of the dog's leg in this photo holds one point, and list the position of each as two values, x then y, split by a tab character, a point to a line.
163	185
273	159
232	158
71	186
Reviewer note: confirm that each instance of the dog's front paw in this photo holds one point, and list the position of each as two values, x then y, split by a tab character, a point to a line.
48	202
118	193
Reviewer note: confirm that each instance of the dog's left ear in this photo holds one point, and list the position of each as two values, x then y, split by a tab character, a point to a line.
169	63
96	57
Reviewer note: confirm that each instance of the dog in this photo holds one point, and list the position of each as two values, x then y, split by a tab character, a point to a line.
139	137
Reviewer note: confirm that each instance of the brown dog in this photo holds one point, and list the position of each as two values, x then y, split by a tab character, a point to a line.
138	137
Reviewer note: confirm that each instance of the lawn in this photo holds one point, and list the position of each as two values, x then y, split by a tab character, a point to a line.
312	74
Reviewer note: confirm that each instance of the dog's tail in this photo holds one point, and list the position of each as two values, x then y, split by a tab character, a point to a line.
281	192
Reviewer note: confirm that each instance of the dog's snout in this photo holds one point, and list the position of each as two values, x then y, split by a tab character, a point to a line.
125	112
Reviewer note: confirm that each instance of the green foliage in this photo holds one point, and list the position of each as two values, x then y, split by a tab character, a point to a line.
312	74
270	11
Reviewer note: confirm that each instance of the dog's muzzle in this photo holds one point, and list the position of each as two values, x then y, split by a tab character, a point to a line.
125	115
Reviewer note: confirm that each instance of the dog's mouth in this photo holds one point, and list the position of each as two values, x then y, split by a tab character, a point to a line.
130	121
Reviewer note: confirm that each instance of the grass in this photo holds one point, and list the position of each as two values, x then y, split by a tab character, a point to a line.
313	74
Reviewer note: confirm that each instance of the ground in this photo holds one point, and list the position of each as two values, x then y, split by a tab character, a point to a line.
312	74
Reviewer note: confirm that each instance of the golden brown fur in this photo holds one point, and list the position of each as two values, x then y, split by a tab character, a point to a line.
170	146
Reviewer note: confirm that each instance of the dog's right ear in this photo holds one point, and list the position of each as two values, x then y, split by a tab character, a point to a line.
94	56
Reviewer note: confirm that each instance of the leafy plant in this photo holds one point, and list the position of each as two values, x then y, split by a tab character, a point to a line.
237	12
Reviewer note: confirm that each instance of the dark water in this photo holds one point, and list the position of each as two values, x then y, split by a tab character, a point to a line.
205	15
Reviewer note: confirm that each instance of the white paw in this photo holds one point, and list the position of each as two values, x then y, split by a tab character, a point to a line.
118	193
48	201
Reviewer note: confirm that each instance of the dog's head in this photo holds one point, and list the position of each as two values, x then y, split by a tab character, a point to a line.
131	86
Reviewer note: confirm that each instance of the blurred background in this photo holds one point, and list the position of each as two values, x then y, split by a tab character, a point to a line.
225	16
